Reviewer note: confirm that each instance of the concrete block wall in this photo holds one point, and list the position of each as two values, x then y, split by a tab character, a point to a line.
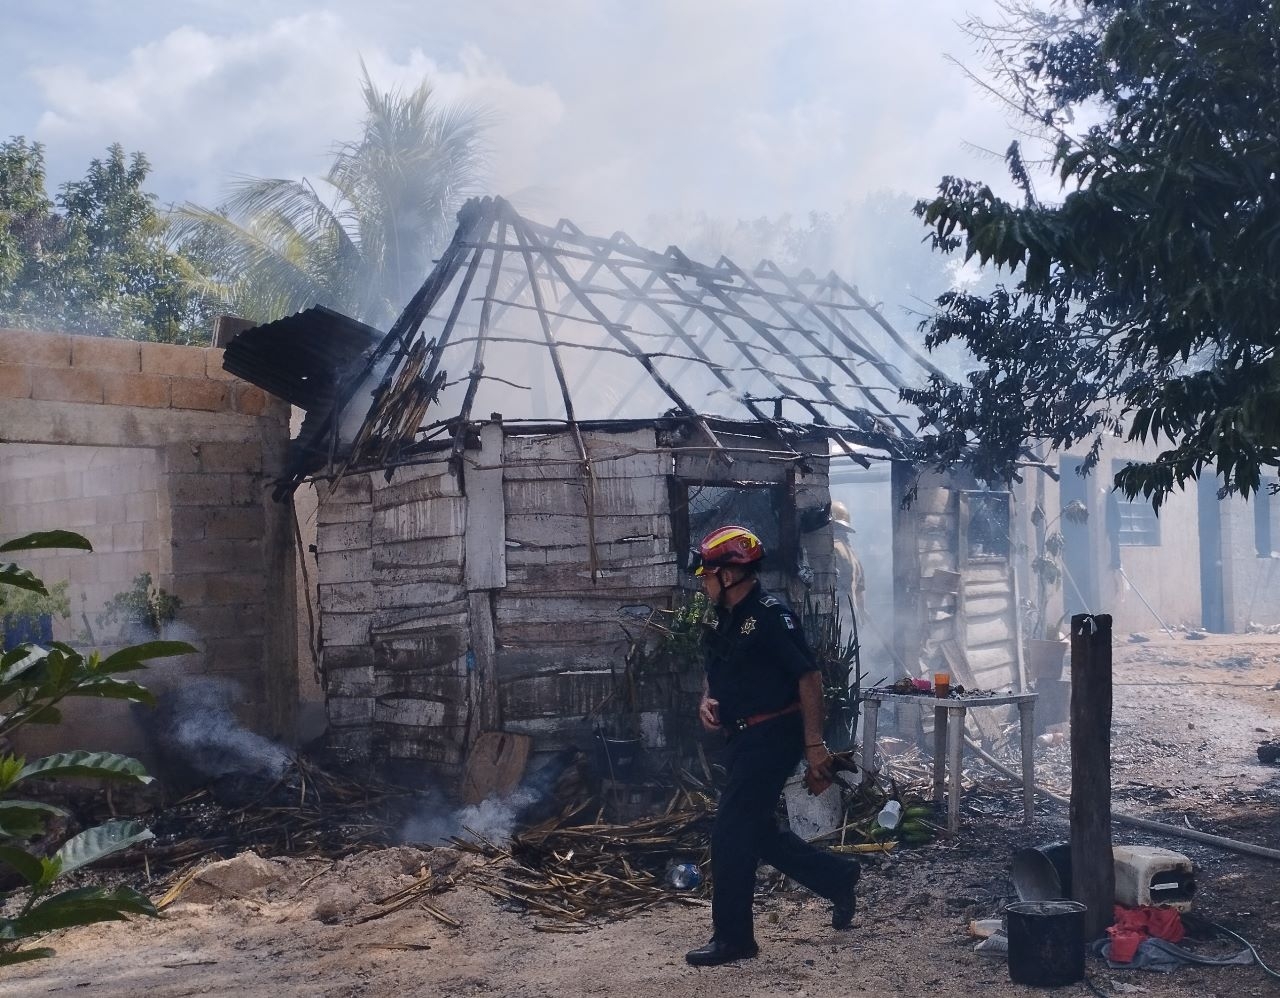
214	444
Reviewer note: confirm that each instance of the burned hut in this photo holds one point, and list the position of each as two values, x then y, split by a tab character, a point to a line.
510	480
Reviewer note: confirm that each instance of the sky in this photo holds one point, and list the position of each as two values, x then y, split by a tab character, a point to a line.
605	111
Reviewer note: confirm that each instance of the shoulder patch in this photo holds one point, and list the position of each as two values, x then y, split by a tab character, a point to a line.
769	601
788	621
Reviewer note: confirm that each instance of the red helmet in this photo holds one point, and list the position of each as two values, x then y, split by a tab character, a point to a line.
731	545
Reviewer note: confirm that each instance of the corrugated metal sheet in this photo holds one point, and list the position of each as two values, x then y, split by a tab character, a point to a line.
301	358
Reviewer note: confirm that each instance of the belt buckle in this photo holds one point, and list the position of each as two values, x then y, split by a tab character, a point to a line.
740	725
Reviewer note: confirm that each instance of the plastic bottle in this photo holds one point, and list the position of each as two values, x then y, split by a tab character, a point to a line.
889	815
684	876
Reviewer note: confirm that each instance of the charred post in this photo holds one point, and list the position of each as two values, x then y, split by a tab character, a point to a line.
1092	873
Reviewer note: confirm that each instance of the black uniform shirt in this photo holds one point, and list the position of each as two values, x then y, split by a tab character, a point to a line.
756	655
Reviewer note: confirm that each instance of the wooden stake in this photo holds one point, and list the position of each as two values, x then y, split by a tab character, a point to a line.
1092	872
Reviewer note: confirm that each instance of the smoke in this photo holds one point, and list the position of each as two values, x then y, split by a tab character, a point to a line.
494	820
200	727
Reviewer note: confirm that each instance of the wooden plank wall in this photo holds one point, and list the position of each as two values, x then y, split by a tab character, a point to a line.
562	634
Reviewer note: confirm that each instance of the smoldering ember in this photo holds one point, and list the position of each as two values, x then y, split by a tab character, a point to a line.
360	639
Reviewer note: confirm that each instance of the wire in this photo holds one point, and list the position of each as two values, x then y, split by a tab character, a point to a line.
1244	942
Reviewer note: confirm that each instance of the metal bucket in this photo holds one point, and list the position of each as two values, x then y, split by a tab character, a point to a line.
1046	942
617	759
1042	873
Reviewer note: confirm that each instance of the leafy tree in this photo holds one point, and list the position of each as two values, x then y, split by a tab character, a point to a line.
94	260
1146	301
33	681
362	239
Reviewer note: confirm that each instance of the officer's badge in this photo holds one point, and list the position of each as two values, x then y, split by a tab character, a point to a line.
748	625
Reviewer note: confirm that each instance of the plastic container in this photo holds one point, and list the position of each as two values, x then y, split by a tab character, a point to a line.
1046	942
1042	873
889	815
684	876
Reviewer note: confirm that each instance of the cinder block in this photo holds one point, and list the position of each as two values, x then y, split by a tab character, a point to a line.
141	507
213	368
199	490
15	381
237	457
235	654
247	490
106	353
111	510
128	536
250	399
234	587
147	391
183	458
66	385
166	358
21	346
204	395
217	555
187	523
237	522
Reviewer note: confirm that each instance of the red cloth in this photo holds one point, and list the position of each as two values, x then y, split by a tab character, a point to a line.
1133	925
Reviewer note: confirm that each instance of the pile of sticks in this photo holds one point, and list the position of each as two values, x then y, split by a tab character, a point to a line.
306	812
579	875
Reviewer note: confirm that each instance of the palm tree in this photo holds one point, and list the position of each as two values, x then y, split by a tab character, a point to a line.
362	240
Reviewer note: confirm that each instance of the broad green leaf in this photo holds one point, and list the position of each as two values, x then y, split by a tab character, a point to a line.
83	906
24	955
10	768
133	656
101	840
24	862
48	539
114	689
24	819
19	660
102	765
21	578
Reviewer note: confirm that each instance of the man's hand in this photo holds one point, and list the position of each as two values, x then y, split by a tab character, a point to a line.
819	761
709	713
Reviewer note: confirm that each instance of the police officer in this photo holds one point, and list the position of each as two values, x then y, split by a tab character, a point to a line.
764	692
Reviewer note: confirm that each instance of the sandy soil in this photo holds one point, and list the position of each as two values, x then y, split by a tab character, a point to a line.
1188	716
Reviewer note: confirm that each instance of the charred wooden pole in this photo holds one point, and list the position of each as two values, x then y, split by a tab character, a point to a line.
1092	871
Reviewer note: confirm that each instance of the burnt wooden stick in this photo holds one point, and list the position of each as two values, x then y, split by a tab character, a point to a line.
1092	871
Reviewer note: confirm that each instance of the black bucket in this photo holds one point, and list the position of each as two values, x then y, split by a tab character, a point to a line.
617	759
1042	873
1046	942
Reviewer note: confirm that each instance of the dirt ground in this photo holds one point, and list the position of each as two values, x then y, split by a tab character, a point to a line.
1188	717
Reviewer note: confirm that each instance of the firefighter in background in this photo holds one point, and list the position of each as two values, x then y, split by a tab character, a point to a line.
850	580
764	693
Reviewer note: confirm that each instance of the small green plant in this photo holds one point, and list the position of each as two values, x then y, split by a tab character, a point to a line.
33	681
144	609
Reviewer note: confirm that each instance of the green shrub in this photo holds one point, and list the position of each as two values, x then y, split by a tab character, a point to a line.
33	681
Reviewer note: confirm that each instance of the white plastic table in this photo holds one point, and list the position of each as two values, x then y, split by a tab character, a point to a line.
948	740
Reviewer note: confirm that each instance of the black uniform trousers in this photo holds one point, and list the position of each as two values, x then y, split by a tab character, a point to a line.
746	831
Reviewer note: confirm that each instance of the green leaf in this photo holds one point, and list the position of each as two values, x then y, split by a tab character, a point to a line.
21	578
133	656
48	539
114	689
19	660
23	955
10	768
27	865
101	765
83	906
24	819
101	840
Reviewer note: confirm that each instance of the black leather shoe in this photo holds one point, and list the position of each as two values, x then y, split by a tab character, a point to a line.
845	905
715	953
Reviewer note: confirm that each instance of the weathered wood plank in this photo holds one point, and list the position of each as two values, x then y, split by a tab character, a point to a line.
613	496
441	649
989	606
344	566
351	489
436	746
342	536
488	716
607	555
571	578
979	573
346	597
486	529
554	696
351	512
421	489
559	530
979	590
344	629
411	595
578	608
446	573
387	622
417	554
590	655
420	520
988	630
